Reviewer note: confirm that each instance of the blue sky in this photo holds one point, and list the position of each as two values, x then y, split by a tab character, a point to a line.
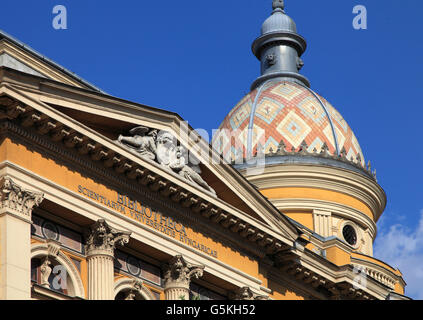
194	58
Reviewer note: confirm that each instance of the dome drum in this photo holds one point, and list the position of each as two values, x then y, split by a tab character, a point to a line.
308	158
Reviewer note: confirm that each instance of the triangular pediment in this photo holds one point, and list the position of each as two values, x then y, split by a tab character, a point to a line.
18	56
9	61
100	119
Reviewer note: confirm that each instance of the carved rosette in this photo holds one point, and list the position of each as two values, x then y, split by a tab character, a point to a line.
177	278
102	239
17	199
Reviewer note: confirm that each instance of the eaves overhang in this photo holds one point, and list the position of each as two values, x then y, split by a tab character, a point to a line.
7	37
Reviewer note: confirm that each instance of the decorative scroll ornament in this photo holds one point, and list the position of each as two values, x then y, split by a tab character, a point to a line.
104	237
16	198
178	273
162	147
245	293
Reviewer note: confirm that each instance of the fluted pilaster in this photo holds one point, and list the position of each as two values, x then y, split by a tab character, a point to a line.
16	206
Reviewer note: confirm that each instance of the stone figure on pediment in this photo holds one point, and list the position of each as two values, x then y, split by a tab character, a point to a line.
163	148
176	158
180	165
166	148
142	141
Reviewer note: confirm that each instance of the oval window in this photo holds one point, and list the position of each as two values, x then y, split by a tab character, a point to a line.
350	235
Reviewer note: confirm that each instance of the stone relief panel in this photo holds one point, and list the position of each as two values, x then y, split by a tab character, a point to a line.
162	147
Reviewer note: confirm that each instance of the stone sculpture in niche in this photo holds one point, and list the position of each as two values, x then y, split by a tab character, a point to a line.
45	271
162	147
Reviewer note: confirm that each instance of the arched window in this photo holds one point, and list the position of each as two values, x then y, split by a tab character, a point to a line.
53	270
129	295
132	289
49	273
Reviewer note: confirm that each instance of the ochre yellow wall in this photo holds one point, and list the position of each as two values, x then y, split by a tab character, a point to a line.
338	256
333	254
279	292
84	269
317	194
303	217
399	288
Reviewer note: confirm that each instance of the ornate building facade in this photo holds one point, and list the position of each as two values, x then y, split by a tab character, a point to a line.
107	199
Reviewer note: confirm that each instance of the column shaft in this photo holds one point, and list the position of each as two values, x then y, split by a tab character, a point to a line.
100	277
15	258
177	294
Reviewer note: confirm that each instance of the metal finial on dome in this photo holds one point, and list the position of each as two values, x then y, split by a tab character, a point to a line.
279	48
278	4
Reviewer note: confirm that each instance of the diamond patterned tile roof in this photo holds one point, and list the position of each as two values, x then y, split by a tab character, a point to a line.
284	111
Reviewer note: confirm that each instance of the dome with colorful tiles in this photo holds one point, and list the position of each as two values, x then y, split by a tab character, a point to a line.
285	114
282	116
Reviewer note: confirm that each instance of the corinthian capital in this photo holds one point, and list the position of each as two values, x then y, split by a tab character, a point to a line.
102	237
178	272
18	199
